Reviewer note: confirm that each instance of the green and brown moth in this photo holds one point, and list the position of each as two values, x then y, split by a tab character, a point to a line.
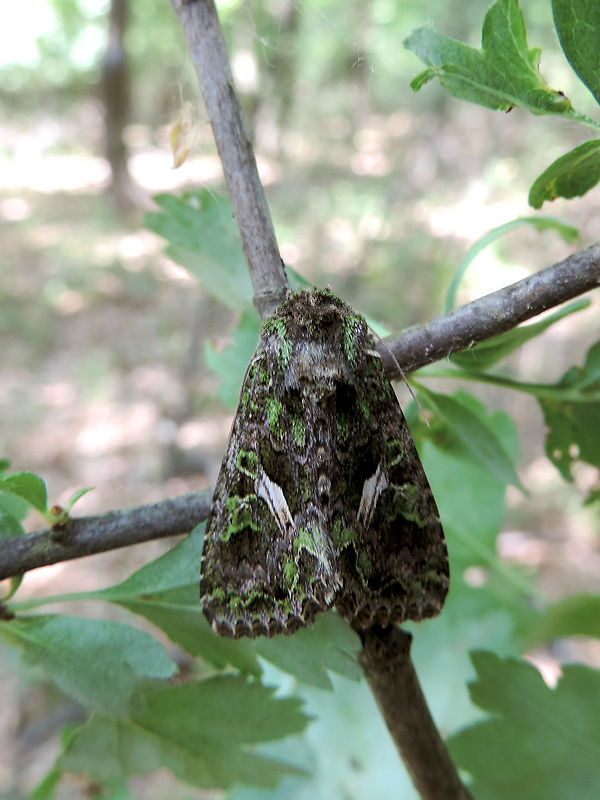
321	500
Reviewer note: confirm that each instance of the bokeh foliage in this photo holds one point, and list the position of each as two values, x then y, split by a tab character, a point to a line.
291	716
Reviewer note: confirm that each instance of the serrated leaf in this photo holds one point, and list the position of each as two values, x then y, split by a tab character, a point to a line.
204	239
330	644
503	74
200	731
166	592
571	175
233	710
549	739
97	662
471	435
571	414
485	354
571	409
29	487
577	23
573	434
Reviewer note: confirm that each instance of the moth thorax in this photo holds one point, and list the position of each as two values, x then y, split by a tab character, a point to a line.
319	365
323	486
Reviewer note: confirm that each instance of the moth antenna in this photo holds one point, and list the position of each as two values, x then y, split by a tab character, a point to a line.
402	375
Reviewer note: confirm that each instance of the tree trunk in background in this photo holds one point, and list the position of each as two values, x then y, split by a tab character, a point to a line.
117	100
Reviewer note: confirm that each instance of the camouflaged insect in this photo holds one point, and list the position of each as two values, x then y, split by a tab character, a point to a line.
321	500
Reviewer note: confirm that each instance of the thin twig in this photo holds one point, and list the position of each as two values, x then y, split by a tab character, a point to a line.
385	659
202	29
563	281
89	535
495	313
386	654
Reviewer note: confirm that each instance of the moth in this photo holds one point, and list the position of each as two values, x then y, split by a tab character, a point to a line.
321	500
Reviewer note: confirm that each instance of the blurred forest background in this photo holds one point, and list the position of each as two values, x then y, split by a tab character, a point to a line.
374	190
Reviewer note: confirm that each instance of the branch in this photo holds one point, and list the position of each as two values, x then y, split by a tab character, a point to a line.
89	535
386	653
202	29
413	348
493	314
385	659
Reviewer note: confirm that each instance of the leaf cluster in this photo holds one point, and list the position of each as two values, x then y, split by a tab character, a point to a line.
505	74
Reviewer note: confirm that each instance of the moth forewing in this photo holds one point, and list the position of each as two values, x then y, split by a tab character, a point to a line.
321	500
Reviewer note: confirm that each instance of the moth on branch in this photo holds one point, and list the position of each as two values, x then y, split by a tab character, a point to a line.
322	500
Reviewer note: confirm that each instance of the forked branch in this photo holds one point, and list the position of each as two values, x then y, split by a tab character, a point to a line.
385	657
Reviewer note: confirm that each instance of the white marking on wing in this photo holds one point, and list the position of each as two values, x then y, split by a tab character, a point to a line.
273	496
373	487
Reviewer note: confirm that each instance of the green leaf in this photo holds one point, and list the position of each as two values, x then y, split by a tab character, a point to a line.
204	239
177	613
346	750
573	434
9	525
568	233
471	504
467	434
549	740
234	710
166	592
28	487
46	788
330	644
472	508
573	616
485	354
571	409
578	26
75	497
96	662
503	74
15	582
571	415
231	365
13	505
571	175
201	731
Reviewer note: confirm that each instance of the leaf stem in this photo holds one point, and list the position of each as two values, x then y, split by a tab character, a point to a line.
544	391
